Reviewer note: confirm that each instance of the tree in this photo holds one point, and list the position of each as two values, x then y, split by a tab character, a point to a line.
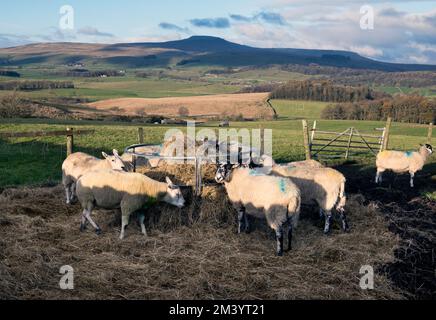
183	112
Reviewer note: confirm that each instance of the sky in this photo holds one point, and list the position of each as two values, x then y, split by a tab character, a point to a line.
398	31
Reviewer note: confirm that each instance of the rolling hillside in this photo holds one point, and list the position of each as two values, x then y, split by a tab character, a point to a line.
194	51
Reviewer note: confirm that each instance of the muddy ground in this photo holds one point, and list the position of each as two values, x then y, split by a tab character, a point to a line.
195	253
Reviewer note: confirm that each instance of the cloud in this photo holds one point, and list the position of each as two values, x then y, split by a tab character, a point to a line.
391	12
173	27
238	17
272	17
218	23
10	40
403	37
265	16
91	31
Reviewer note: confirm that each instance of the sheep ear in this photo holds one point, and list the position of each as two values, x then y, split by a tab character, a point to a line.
169	182
115	152
105	155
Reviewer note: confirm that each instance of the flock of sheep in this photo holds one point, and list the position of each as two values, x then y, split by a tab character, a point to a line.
270	191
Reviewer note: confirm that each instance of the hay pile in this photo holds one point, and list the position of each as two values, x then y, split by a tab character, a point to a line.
192	253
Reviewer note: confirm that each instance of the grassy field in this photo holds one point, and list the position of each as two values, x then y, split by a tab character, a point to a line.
38	161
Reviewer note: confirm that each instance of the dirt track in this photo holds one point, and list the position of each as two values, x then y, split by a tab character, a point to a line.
195	253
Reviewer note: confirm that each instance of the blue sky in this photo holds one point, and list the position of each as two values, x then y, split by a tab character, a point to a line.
404	31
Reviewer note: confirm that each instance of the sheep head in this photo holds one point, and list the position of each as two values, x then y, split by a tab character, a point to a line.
174	195
116	162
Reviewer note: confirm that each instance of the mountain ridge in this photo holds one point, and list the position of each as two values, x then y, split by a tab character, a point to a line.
195	50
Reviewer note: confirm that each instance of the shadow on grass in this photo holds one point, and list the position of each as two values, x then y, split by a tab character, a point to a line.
411	216
34	163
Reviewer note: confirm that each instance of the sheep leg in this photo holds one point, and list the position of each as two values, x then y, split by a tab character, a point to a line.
345	226
87	214
141	222
72	191
290	227
379	176
67	193
279	238
328	221
321	213
247	223
124	224
241	217
412	176
83	221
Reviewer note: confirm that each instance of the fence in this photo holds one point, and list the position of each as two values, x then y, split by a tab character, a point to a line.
69	133
350	142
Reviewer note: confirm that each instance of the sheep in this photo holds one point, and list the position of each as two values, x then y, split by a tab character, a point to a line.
276	199
77	164
325	186
109	189
305	164
149	159
238	150
402	162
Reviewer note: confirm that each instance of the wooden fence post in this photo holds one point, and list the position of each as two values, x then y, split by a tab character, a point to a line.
430	133
350	139
386	134
70	141
141	135
306	140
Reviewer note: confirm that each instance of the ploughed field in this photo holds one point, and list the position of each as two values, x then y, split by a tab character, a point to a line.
248	105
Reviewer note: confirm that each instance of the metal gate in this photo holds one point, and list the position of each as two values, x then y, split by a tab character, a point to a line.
348	143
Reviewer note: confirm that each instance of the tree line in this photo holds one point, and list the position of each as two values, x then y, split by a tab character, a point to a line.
85	73
8	73
31	85
325	91
401	108
364	76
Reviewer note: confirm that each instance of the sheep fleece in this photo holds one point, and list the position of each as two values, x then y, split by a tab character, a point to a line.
273	198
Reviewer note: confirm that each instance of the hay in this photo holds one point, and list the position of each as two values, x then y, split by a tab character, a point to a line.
192	253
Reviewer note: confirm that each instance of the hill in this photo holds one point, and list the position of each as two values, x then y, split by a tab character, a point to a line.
194	51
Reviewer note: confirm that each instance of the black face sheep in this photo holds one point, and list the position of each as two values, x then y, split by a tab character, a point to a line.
131	192
324	186
77	164
274	198
402	162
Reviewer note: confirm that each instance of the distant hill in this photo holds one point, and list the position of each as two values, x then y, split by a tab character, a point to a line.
194	51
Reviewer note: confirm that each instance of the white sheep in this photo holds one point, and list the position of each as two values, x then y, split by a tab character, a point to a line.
324	186
276	199
77	164
109	189
402	162
305	164
148	156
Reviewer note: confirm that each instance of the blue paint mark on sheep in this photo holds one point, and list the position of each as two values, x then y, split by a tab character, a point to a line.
282	185
255	173
409	154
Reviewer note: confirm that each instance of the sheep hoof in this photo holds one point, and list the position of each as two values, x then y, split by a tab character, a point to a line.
98	231
280	254
82	227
